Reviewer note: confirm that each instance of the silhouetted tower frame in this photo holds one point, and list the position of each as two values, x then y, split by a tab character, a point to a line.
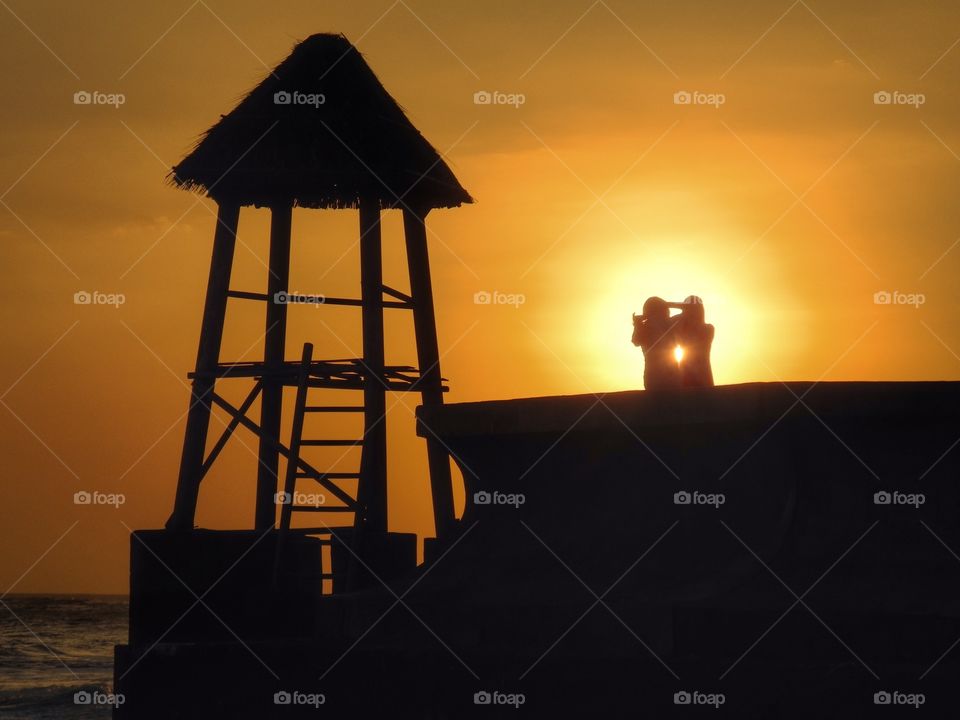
412	178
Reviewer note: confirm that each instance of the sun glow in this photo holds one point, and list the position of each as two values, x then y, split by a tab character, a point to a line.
678	354
672	269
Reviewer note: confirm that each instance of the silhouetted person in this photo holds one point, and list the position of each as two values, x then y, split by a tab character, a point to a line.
695	336
655	333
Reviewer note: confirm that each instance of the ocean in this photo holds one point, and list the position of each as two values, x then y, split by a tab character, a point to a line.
56	655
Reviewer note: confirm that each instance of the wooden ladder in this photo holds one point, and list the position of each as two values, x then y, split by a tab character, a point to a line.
298	469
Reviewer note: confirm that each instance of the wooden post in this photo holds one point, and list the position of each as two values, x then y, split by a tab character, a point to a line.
271	403
428	358
372	491
208	357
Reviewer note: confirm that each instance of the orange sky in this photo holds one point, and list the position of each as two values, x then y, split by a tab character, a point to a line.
786	208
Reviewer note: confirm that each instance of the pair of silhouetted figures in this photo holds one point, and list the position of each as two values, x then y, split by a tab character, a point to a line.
676	350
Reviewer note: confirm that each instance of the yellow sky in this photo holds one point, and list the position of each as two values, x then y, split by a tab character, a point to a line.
786	207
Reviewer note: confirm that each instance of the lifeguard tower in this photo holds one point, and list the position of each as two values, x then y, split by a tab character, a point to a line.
319	132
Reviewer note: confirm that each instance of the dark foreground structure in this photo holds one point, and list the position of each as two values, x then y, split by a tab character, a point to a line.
630	555
791	547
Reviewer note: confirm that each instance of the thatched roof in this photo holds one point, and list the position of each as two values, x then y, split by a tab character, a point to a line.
355	144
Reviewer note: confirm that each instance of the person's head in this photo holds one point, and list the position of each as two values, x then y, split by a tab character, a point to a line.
655	309
693	309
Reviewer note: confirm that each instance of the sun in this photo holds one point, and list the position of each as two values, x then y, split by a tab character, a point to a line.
675	271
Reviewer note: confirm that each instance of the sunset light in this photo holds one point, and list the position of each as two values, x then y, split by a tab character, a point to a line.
318	314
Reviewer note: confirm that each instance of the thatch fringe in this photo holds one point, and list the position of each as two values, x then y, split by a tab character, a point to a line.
340	139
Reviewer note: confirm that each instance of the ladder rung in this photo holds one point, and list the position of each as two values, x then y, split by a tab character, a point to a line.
331	443
244	295
355	302
329	475
320	508
334	408
321	531
349	302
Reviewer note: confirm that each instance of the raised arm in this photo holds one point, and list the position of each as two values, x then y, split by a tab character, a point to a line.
637	323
